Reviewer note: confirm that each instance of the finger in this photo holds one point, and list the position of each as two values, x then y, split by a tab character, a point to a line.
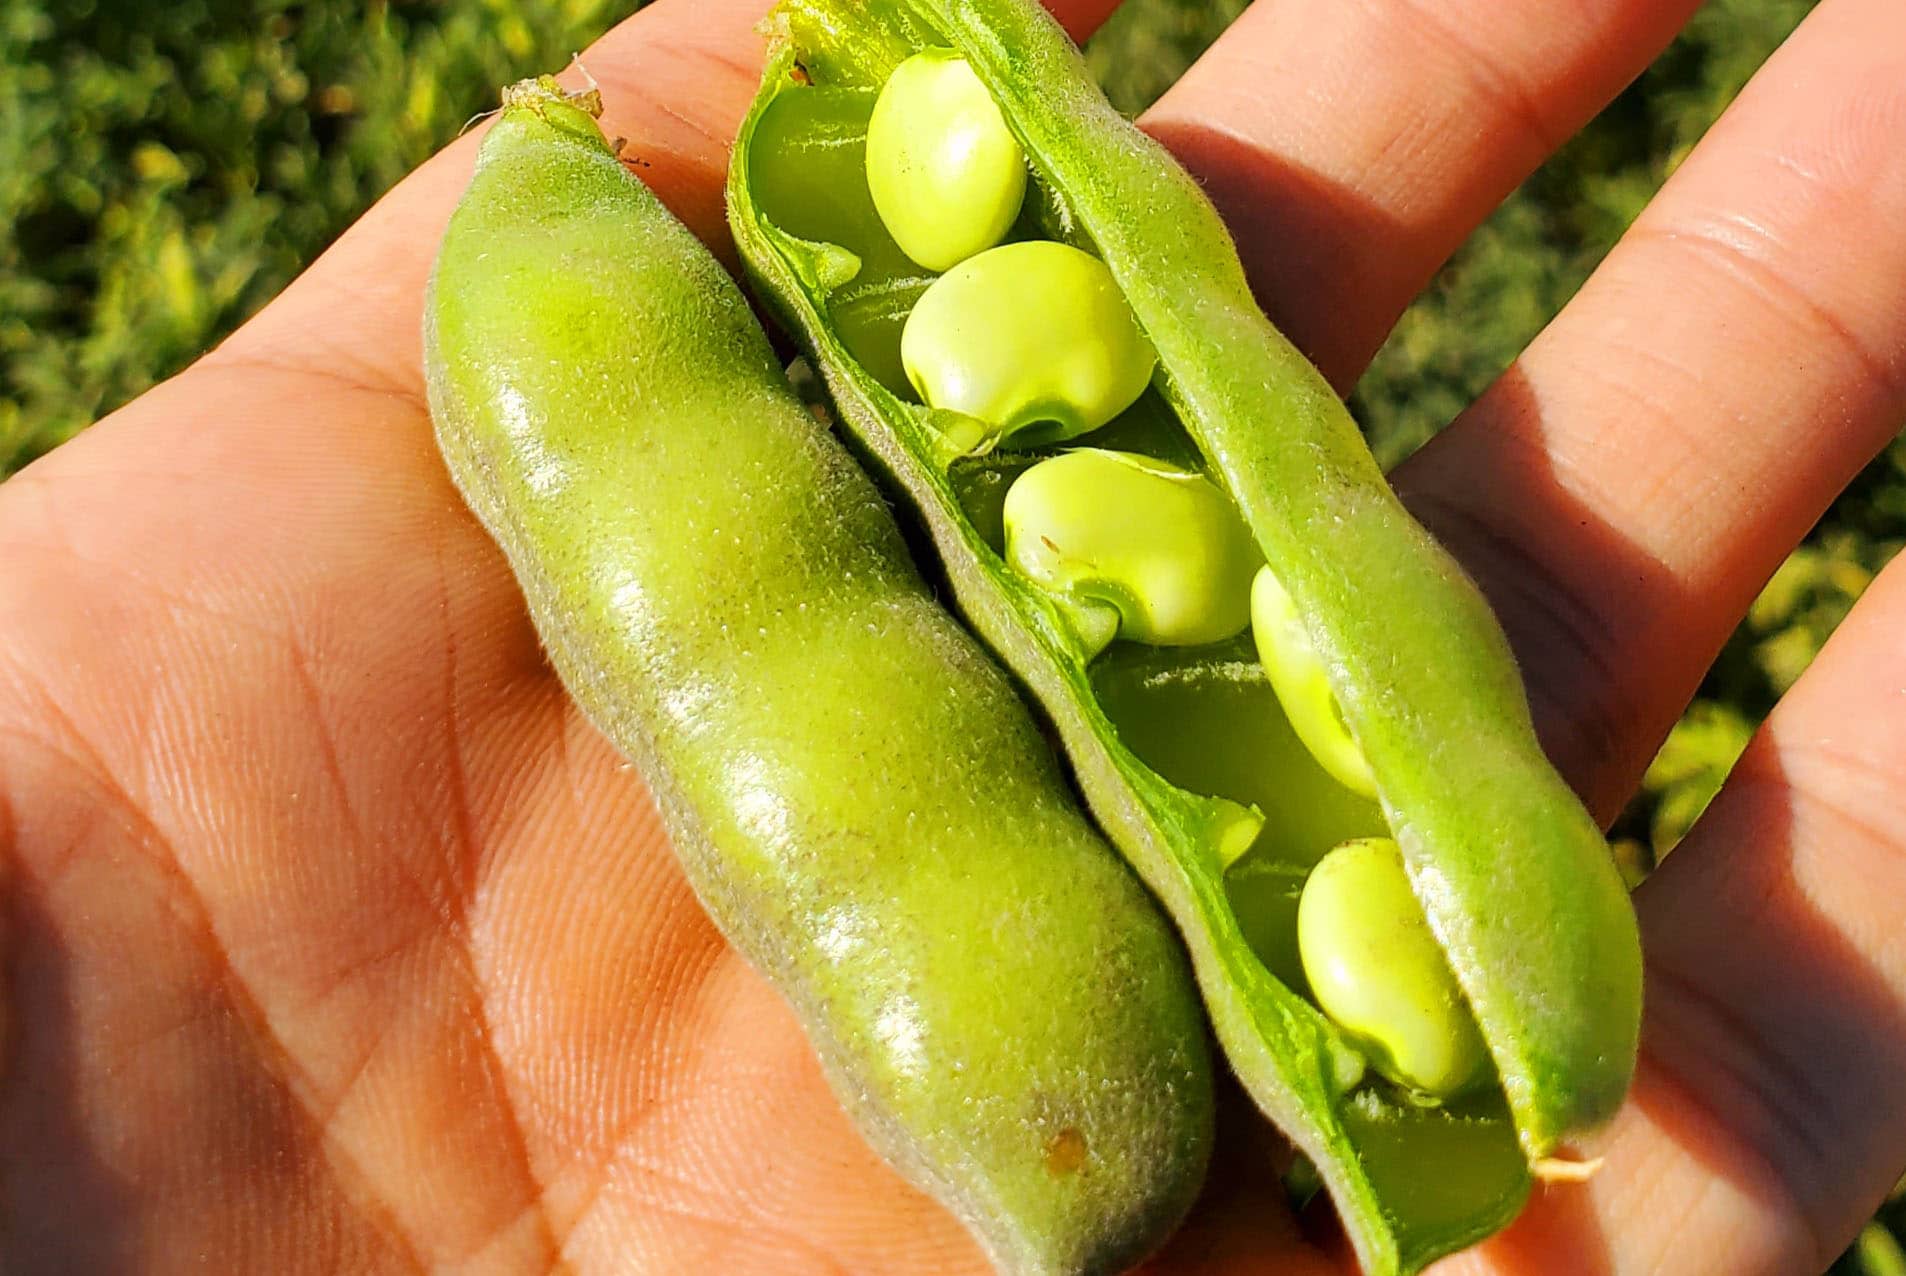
1768	1120
1625	489
1352	147
676	78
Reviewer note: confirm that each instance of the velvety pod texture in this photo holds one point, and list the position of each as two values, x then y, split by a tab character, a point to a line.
854	790
1198	764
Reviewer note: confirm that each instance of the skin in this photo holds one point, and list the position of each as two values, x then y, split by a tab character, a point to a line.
455	1004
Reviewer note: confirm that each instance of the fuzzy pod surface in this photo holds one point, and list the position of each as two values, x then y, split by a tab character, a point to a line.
1514	875
853	788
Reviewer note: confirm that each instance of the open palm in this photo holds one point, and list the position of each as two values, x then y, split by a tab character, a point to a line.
335	939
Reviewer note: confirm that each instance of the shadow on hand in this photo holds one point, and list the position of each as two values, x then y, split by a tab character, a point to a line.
62	1206
1306	248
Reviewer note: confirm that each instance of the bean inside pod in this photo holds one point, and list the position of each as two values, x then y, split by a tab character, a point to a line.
1284	711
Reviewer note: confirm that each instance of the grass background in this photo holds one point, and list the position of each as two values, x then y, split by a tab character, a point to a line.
165	169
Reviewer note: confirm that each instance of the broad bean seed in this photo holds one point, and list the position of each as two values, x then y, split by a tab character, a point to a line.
1034	340
946	173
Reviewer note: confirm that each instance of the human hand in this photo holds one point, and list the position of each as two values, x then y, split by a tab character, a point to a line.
337	941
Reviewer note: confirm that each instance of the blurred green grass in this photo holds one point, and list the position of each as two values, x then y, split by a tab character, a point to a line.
166	169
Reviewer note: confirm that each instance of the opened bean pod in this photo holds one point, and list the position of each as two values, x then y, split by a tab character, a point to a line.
854	789
1411	938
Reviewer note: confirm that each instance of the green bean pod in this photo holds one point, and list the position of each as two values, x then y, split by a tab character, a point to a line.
854	789
1515	878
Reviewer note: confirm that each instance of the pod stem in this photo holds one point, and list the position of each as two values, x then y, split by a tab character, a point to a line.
540	92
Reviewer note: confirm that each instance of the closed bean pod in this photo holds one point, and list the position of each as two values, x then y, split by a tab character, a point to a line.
854	790
1513	876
